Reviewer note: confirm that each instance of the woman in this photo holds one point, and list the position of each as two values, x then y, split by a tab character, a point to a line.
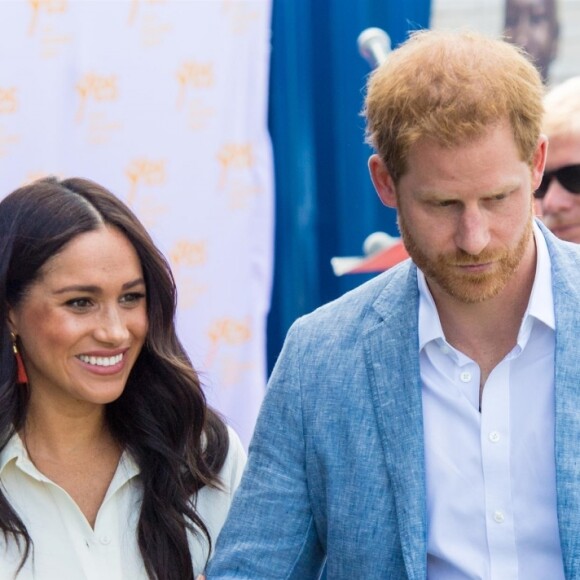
111	464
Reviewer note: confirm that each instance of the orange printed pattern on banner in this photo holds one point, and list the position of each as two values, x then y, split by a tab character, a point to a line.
194	75
188	253
234	156
144	171
189	291
7	141
134	8
97	88
232	371
48	6
32	176
53	42
101	128
241	15
8	100
154	31
149	210
240	194
199	114
227	331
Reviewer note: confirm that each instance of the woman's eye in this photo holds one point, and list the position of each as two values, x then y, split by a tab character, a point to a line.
79	303
132	298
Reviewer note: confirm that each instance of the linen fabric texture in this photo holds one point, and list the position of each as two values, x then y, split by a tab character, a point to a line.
336	466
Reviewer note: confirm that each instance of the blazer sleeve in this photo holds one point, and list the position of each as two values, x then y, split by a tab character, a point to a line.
270	532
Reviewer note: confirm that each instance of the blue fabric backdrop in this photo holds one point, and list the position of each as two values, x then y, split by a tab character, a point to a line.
326	205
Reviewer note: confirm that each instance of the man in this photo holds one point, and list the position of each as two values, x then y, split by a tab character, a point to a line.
559	192
427	423
533	25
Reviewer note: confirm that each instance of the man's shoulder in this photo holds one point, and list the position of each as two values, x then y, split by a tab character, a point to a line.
330	342
565	256
369	301
565	250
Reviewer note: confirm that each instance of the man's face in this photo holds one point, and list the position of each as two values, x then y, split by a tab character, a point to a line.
559	207
532	25
465	214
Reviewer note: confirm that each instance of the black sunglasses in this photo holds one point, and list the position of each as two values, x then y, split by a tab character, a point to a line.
569	178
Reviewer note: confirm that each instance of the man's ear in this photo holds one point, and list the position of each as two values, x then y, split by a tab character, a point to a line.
382	181
539	161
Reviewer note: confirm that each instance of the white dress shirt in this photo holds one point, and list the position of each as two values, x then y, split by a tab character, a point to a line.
491	482
65	545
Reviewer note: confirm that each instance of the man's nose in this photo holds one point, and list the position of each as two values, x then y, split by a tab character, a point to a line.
472	234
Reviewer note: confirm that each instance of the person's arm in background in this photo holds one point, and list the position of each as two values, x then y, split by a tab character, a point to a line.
270	532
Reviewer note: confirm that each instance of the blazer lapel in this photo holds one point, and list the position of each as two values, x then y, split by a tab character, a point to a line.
392	359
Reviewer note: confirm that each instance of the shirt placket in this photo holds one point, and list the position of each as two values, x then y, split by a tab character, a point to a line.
105	544
495	455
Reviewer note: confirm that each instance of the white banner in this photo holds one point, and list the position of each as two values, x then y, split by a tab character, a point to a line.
165	103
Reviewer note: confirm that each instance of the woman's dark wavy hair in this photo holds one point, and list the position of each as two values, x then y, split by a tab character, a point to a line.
161	418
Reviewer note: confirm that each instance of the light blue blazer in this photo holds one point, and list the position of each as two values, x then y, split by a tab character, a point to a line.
336	465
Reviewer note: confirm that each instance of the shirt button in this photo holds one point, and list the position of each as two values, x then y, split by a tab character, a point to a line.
105	540
445	349
498	517
465	377
494	436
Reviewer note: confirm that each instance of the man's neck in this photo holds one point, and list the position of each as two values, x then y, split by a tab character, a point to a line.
487	331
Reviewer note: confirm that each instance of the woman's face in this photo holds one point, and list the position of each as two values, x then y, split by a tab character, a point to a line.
82	324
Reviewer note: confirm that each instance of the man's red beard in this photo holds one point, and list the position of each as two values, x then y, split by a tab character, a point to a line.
468	287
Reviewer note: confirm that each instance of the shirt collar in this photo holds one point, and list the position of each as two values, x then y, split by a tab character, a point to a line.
540	305
429	324
15	451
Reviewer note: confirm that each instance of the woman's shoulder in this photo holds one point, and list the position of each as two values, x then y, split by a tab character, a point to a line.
233	467
213	503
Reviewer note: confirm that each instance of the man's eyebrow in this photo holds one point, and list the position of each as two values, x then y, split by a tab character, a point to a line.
433	193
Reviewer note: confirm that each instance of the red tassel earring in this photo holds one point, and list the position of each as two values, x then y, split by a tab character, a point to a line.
21	376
